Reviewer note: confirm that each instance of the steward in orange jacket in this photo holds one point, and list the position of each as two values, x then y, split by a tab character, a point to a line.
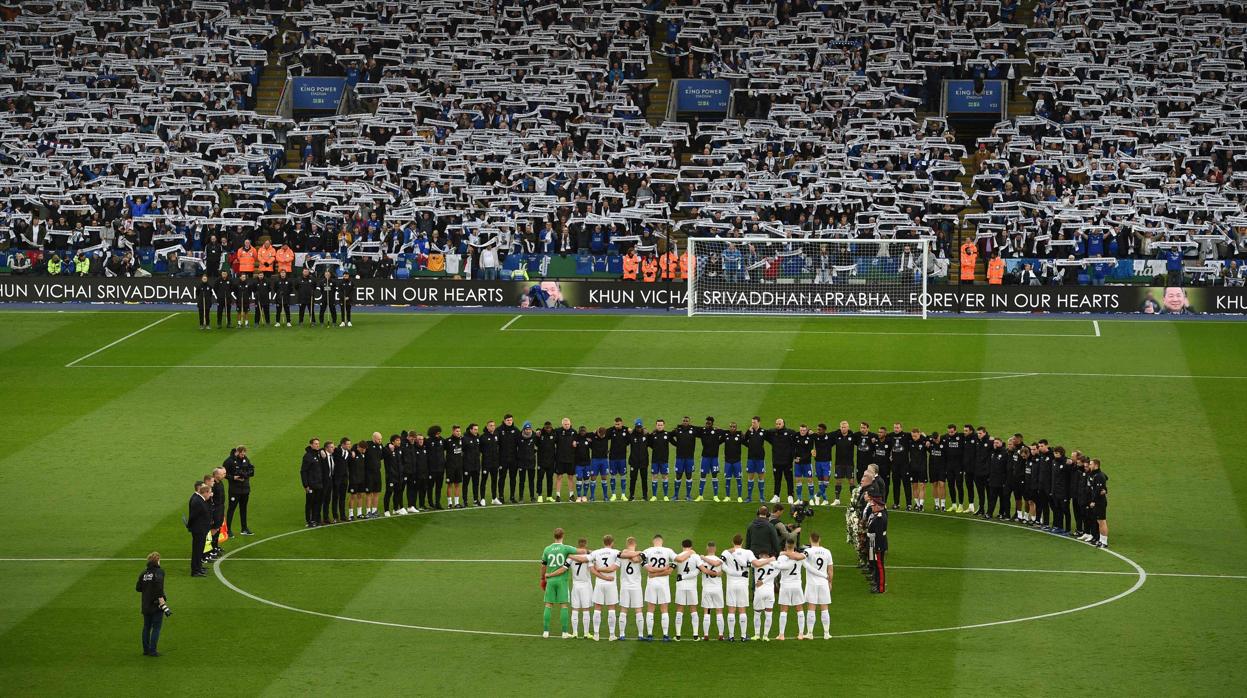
631	265
285	259
649	269
996	271
245	258
969	258
266	257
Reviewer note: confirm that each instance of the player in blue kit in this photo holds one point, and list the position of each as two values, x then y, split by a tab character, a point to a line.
733	445
711	438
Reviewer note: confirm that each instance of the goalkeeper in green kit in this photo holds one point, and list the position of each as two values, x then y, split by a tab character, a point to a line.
555	581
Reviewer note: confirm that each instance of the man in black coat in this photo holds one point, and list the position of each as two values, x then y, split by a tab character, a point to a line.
239	470
783	448
223	290
313	482
761	536
392	455
508	466
283	289
340	460
306	287
199	522
151	585
490	464
260	294
415	470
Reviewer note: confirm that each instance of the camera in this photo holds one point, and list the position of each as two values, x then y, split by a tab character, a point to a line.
801	511
164	608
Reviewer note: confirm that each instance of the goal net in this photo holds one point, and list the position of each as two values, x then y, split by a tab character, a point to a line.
808	276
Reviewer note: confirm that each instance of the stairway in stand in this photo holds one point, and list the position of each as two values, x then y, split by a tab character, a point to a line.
1019	105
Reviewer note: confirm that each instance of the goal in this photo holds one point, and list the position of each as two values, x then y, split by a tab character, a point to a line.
808	276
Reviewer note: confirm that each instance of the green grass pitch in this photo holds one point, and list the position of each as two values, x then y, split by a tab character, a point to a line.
99	457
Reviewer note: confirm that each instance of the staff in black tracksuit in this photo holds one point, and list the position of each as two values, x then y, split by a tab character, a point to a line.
241	299
357	478
328	289
638	460
1097	509
392	455
508	466
472	465
346	298
239	471
223	291
953	459
565	458
1059	492
260	291
204	296
547	459
311	477
997	479
982	465
490	464
898	456
783	443
526	460
1042	505
436	446
415	471
1016	482
863	446
327	466
453	448
969	446
882	455
306	287
283	289
340	480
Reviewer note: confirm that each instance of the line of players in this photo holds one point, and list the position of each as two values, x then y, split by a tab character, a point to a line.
1062	493
244	294
606	582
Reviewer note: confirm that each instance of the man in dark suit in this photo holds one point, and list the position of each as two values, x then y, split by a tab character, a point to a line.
199	522
330	465
313	482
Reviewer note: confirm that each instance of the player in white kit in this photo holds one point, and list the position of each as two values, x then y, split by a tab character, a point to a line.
659	561
737	563
764	594
791	593
818	573
605	593
631	597
711	589
582	587
687	570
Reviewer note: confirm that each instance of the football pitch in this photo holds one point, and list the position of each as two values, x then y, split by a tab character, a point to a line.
110	416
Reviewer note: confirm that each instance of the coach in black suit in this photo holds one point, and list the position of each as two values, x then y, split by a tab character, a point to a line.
199	522
311	473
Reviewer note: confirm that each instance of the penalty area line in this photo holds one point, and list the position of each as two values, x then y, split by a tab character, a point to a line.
112	344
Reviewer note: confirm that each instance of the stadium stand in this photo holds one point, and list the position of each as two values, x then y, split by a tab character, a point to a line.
485	138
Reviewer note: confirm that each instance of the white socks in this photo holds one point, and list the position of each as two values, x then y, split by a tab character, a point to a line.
809	622
679	623
648	628
576	622
610	623
743	625
800	624
770	615
666	624
783	622
757	622
731	624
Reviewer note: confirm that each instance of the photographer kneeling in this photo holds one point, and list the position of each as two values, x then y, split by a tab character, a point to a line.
151	585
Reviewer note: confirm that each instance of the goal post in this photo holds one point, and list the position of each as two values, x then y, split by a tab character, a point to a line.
808	276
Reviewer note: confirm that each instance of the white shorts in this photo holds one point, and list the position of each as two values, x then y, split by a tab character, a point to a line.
658	592
631	597
685	596
712	598
788	596
817	592
737	595
605	593
764	598
582	595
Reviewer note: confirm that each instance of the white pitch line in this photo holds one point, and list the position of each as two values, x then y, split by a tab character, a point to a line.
119	341
357	367
509	323
813	384
797	331
1096	324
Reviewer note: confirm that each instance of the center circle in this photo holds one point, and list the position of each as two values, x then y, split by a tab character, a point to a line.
531	602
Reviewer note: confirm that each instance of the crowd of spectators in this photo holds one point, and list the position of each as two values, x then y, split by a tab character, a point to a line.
488	129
